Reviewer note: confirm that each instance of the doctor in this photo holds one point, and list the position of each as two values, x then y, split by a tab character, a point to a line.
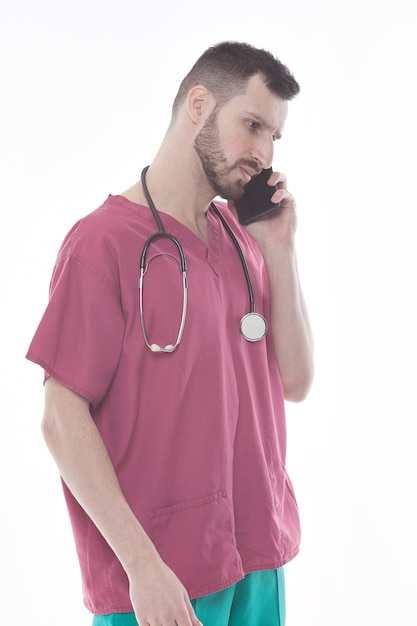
173	462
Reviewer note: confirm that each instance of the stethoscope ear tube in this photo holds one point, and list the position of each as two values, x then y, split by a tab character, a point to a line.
163	235
154	347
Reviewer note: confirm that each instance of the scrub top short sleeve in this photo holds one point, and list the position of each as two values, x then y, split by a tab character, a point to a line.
80	346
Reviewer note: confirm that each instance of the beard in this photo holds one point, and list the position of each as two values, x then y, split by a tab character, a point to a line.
214	162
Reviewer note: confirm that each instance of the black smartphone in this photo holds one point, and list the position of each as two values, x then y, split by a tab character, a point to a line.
256	200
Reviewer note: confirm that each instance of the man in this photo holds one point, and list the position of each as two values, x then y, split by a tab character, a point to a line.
167	424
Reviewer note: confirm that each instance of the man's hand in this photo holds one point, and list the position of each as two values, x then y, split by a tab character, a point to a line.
279	226
159	598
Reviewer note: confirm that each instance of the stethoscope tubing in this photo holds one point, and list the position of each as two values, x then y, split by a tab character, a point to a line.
253	326
241	255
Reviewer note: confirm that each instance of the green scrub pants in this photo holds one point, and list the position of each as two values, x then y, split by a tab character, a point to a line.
256	600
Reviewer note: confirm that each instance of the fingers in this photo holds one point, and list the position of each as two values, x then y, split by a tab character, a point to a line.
283	195
184	616
279	179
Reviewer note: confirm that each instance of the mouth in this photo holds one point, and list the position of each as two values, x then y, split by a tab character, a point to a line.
248	173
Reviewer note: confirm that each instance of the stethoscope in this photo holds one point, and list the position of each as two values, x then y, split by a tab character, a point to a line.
253	326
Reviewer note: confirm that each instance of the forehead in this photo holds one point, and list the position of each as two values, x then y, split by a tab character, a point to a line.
260	102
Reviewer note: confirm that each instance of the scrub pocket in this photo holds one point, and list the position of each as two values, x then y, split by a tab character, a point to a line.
196	539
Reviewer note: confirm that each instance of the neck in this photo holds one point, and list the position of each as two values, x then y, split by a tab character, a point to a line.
178	189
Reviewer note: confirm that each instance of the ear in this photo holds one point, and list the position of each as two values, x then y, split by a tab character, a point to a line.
199	103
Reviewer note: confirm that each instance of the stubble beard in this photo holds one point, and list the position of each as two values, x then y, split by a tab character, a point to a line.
214	162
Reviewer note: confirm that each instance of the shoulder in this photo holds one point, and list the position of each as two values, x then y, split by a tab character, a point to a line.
111	229
104	243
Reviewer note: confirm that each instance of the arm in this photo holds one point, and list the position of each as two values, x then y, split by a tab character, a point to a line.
290	323
78	449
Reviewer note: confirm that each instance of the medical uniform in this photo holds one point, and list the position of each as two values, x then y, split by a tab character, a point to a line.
197	437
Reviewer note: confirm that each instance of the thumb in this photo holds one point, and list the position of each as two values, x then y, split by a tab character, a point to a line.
193	617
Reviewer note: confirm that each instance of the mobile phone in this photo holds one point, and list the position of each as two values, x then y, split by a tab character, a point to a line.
256	200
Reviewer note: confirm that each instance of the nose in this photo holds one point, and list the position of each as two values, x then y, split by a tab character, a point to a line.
263	152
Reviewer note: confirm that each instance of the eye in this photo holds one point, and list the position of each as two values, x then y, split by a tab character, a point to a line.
253	125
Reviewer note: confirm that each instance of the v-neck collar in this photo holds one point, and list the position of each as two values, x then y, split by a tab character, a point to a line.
191	242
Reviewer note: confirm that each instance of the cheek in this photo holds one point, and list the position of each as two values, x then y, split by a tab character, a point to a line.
233	141
234	147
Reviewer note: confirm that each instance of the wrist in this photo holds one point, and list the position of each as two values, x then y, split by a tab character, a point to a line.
277	250
140	557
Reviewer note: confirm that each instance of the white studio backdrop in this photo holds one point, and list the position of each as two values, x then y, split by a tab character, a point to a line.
87	88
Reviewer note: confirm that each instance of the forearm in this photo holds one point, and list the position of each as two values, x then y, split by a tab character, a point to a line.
290	322
85	466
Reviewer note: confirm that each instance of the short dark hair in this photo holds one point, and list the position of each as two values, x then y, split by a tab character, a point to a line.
225	69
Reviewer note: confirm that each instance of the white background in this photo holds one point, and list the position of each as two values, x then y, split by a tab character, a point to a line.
86	92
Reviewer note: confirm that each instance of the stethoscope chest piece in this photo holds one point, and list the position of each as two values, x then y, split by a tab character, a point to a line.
253	326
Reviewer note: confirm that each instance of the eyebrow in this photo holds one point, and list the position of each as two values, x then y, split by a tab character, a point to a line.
263	122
